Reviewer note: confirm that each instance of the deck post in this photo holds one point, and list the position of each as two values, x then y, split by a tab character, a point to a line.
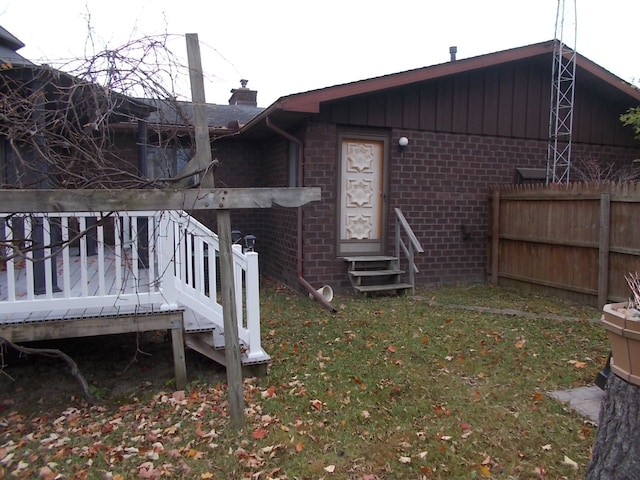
179	363
253	305
167	262
231	343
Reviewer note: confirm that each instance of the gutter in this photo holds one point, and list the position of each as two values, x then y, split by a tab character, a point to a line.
299	253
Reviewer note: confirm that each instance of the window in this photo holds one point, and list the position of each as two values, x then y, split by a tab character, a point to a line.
166	162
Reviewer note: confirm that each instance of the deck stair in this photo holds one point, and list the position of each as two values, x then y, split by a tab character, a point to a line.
143	269
369	274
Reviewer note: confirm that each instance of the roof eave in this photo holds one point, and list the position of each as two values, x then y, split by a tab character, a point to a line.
310	101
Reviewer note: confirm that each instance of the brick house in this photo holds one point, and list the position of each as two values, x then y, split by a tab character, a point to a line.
470	124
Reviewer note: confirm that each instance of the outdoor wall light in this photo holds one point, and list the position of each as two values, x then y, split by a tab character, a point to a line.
249	243
402	144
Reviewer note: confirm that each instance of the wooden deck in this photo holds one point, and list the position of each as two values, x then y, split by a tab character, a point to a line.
30	325
94	285
159	271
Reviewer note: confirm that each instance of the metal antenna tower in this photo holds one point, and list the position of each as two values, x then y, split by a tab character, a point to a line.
562	95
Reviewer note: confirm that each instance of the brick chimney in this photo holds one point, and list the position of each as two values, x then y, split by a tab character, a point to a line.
243	95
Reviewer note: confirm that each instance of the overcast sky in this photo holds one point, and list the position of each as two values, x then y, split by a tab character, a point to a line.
290	46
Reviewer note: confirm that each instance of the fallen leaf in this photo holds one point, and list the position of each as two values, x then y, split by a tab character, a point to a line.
299	446
520	343
192	453
146	470
392	349
485	471
259	433
316	404
365	414
330	468
405	459
569	462
269	392
47	474
546	447
580	365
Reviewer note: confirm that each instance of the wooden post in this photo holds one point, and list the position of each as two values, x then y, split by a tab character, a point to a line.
495	238
179	364
201	124
231	343
603	250
203	153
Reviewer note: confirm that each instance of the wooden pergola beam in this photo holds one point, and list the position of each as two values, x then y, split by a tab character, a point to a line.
46	201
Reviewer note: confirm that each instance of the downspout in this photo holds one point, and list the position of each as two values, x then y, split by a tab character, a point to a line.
299	248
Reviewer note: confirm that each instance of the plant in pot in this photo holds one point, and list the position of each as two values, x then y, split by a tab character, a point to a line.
622	322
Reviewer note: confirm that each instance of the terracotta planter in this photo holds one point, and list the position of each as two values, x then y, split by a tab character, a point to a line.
624	336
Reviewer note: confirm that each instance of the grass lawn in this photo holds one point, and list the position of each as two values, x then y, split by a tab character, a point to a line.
409	387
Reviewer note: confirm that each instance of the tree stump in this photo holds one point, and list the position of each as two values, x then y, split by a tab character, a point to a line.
616	452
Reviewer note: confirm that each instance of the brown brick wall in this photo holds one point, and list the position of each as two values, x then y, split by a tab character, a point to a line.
441	184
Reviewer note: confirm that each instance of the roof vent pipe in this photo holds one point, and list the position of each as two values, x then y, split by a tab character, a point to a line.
452	52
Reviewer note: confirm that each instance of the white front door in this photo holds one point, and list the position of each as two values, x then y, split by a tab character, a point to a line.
362	205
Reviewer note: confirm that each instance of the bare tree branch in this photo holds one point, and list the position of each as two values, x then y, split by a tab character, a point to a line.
55	353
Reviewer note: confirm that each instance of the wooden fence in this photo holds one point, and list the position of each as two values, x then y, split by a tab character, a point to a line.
580	240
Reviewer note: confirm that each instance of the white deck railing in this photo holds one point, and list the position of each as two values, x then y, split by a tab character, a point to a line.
77	265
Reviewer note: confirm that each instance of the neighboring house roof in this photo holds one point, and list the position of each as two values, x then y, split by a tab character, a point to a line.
9	45
180	113
292	108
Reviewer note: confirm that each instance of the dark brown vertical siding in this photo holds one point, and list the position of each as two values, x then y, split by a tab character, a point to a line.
411	108
394	108
586	121
476	104
377	109
491	95
509	101
359	113
428	107
339	112
537	118
520	103
460	104
505	102
444	101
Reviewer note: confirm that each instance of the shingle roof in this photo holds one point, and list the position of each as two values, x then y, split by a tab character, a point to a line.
174	112
8	47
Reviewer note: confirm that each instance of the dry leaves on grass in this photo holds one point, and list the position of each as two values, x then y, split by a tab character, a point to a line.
169	436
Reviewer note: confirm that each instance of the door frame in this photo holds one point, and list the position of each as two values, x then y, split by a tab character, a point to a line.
365	136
